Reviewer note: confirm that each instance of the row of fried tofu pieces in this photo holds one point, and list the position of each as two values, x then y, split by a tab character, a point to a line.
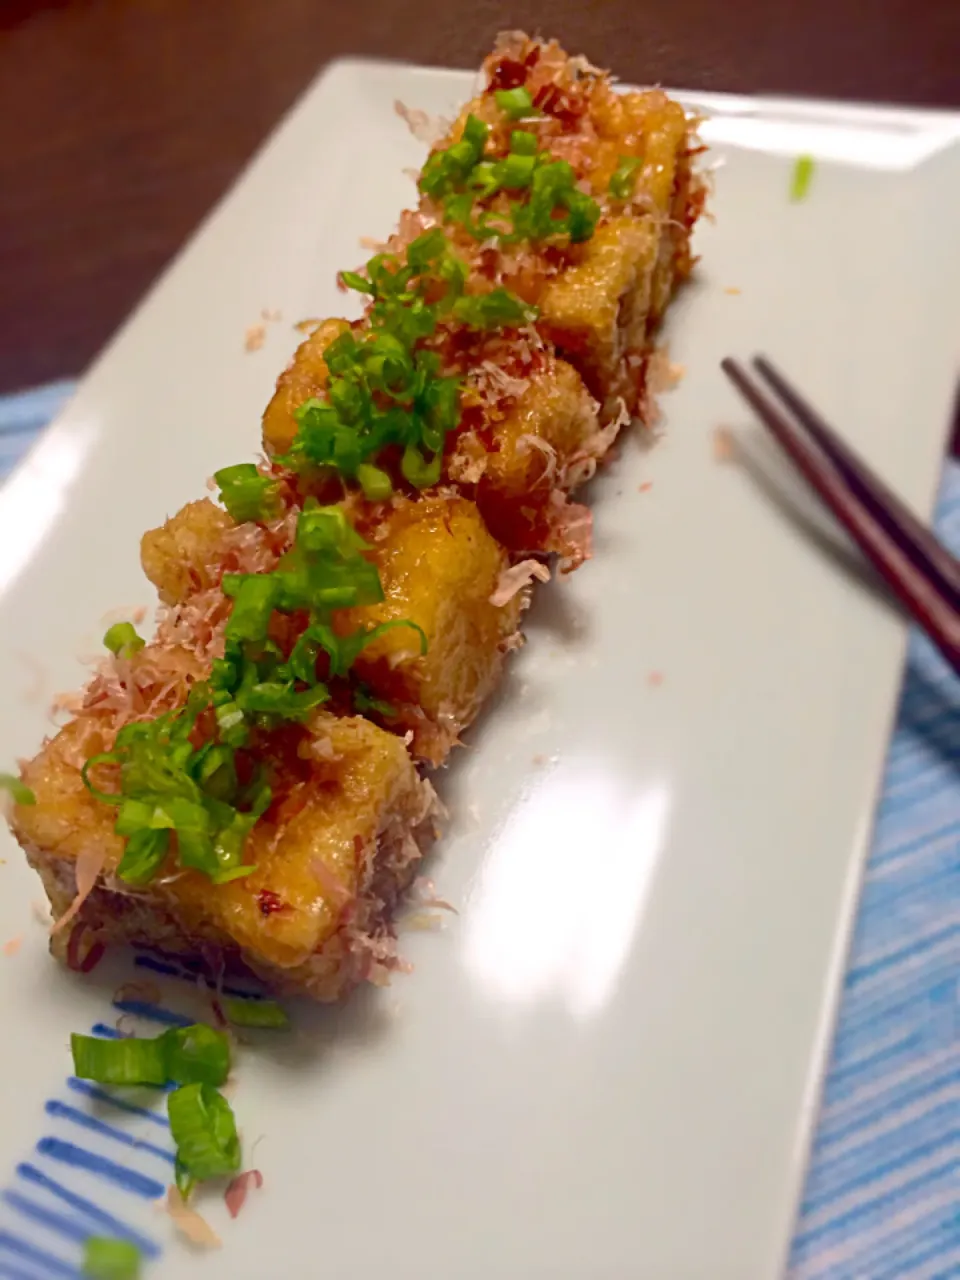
355	810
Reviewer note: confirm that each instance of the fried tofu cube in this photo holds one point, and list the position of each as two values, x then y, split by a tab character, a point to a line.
305	377
548	441
439	566
350	819
664	127
184	555
596	311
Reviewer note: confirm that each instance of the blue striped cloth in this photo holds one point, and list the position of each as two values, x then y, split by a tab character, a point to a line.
882	1198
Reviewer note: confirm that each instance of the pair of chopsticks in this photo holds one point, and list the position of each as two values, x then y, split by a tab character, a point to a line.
918	569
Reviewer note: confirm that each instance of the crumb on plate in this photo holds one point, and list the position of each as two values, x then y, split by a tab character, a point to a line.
255	336
724	445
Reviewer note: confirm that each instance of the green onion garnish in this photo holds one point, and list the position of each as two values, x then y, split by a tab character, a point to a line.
418	470
444	169
255	1013
351	280
168	791
802	177
21	793
185	1055
376	484
498	309
255	596
196	1054
384	389
515	172
624	177
523	143
363	702
130	1061
122	639
246	494
106	1259
142	858
516	103
205	1133
553	205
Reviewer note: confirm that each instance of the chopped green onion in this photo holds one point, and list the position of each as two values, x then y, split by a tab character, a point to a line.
417	470
426	249
523	143
246	494
802	177
204	1131
122	639
358	282
20	792
104	757
376	484
484	179
255	596
196	1055
129	1061
458	207
143	856
445	169
363	702
624	177
516	171
475	133
582	215
255	1013
349	648
187	1055
107	1259
497	309
516	103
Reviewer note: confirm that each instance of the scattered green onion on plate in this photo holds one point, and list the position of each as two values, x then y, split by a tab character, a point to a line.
256	1013
108	1259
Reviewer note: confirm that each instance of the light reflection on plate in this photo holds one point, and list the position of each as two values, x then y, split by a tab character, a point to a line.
563	888
34	496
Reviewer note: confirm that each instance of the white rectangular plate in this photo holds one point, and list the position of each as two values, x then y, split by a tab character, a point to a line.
607	1064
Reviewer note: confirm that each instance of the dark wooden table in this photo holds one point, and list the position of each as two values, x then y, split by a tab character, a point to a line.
121	121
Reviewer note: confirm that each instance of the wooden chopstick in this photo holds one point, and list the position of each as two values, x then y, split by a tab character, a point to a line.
914	538
925	584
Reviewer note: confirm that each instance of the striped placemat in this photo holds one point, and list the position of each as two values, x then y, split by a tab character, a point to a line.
882	1198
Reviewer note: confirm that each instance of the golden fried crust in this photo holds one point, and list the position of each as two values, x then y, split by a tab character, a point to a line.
183	555
439	567
340	843
66	819
306	377
647	124
552	424
557	410
597	311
